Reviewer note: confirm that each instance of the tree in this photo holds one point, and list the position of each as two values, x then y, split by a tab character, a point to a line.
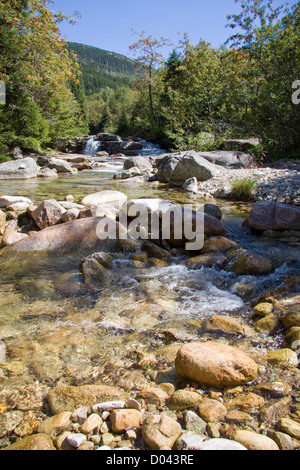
147	52
37	69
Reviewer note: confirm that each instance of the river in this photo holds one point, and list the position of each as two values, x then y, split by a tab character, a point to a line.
57	332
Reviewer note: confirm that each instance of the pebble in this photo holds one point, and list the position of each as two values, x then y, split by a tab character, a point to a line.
76	440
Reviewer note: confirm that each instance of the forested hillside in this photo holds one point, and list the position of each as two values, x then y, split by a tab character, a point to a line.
102	68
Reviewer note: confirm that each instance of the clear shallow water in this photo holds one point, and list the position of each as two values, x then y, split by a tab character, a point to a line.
56	331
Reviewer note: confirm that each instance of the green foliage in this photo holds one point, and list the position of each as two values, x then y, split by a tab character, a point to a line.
102	69
39	73
242	190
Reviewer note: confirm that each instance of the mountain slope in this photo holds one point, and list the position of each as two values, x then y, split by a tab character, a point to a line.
102	68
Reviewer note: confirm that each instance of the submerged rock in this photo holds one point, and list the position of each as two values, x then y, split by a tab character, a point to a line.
215	364
48	213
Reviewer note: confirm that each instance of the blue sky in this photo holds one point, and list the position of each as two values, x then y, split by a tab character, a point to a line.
108	24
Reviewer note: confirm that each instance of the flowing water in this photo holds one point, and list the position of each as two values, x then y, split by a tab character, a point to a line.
56	331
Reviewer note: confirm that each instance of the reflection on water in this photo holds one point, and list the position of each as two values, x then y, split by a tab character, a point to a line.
58	332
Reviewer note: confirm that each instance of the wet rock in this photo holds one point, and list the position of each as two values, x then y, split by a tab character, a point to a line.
274	410
48	213
155	251
76	237
34	442
157	263
249	263
183	399
217	244
9	421
268	325
228	325
212	411
213	210
70	398
291	319
91	424
254	441
215	364
249	402
263	309
283	358
285	442
160	430
122	419
276	389
153	395
56	424
290	427
238	417
292	338
207	259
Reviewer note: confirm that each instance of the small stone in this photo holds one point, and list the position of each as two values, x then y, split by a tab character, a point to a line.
107	439
123	419
80	415
183	399
212	411
91	424
130	435
109	406
248	402
76	440
134	404
153	395
238	417
194	423
86	445
159	431
268	325
55	424
263	309
34	442
283	358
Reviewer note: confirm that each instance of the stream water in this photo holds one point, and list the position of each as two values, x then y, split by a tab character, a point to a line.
55	331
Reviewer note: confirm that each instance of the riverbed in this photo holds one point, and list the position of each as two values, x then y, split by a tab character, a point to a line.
58	332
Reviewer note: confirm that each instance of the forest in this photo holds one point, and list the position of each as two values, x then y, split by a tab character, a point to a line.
195	98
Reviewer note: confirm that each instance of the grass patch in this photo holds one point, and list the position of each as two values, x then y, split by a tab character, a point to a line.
243	190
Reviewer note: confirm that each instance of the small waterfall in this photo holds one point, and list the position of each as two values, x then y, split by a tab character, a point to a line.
150	149
91	147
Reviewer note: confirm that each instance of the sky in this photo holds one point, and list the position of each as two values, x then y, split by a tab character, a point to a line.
110	24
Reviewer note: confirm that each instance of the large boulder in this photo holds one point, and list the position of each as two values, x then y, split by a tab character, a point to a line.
228	159
215	364
79	237
193	165
141	163
19	169
166	167
48	213
266	215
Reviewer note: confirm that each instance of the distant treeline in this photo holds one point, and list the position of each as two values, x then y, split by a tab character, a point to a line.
102	68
